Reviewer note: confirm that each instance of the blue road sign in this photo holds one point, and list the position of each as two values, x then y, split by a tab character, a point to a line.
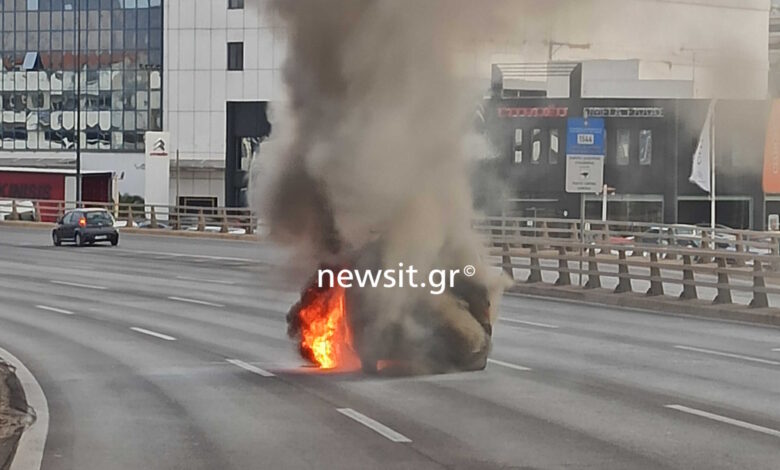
585	137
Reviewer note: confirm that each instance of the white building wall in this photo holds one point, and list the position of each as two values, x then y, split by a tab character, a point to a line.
721	45
197	84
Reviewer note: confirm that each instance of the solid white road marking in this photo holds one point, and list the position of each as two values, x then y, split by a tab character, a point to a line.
725	419
29	451
373	425
194	301
54	309
529	323
210	281
508	365
734	356
153	333
250	368
75	284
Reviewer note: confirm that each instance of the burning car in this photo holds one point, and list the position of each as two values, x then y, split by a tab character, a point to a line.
349	328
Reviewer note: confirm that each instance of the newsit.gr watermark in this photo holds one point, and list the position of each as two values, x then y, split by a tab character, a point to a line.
437	281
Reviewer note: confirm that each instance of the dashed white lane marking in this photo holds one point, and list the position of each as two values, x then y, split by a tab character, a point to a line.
725	419
152	333
509	365
54	309
209	281
195	301
374	425
731	355
250	368
76	284
528	323
776	350
29	451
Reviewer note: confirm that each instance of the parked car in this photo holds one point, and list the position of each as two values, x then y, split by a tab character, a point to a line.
85	227
685	236
723	239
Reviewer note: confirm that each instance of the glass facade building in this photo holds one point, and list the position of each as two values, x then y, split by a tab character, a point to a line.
107	52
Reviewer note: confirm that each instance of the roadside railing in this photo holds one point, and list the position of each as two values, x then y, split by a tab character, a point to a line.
743	270
151	216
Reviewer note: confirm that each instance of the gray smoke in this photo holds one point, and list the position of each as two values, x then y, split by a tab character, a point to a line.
371	145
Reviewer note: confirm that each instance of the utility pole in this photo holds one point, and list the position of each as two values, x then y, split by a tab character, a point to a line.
78	103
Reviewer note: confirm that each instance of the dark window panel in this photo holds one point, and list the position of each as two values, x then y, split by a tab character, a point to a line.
117	19
44	20
130	19
56	40
105	19
155	18
56	20
32	21
235	4
20	23
68	20
155	39
235	56
143	19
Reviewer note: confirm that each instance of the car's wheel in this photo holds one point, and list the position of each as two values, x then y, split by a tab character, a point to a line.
79	239
115	240
55	238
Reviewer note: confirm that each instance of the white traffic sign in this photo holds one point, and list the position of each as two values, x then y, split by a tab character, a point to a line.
584	173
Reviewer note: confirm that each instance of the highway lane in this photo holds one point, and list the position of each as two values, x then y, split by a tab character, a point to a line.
135	367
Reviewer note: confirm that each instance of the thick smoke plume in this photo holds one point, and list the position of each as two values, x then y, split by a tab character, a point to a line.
371	148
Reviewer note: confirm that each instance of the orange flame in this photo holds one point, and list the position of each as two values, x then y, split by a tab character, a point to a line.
325	335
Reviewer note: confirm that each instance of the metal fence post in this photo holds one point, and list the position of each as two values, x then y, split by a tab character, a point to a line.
506	261
14	211
37	211
201	221
724	292
760	299
594	280
689	286
564	276
224	227
153	217
740	249
656	285
536	269
624	282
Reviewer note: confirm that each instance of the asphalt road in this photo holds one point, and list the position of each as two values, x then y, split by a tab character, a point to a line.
170	353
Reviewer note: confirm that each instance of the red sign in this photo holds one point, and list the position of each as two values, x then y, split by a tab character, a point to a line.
772	152
19	185
537	112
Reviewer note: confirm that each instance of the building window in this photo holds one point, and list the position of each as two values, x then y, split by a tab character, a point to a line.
518	147
235	56
554	147
645	147
536	146
623	146
235	4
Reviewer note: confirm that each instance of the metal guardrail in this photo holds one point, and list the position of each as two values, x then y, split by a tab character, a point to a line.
152	216
748	263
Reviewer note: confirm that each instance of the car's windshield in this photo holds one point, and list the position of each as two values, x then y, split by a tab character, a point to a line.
100	217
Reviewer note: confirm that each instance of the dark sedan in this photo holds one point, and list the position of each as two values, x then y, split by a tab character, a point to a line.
85	227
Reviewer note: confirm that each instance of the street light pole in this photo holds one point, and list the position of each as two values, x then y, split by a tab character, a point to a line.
78	103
